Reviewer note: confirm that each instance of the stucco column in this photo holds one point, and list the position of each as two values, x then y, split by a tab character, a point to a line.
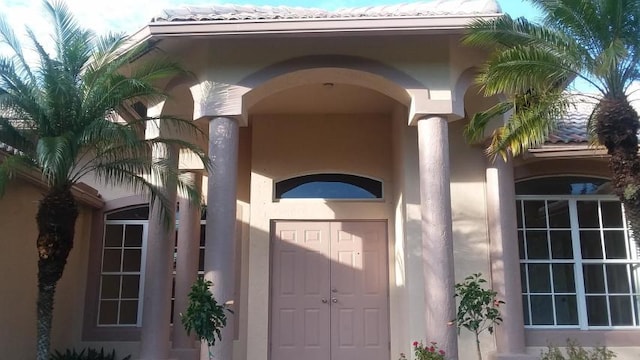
505	262
186	269
154	342
221	222
437	238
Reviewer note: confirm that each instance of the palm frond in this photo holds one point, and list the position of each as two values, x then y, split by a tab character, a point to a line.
71	40
475	130
517	69
530	124
10	165
8	37
13	134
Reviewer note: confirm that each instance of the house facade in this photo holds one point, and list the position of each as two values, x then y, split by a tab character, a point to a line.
343	203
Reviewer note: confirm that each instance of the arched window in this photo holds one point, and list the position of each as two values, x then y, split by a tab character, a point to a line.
578	265
329	186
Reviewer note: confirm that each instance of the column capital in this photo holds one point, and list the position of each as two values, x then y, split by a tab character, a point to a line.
449	116
218	99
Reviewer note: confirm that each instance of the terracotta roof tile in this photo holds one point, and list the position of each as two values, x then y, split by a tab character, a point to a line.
230	12
573	127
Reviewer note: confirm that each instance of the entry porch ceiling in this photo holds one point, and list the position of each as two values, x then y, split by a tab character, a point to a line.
328	98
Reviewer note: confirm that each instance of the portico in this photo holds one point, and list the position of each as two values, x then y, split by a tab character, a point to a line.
333	112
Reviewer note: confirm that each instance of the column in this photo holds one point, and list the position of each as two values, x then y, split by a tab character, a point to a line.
505	262
154	342
221	222
437	238
186	269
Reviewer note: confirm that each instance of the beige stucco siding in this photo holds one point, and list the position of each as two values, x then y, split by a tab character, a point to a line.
292	145
468	205
18	269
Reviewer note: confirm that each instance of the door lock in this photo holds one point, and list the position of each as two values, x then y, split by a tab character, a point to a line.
334	300
324	301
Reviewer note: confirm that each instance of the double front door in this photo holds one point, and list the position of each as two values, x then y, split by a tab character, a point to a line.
329	291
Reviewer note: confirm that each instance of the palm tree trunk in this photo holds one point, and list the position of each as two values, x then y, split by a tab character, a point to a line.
617	128
56	218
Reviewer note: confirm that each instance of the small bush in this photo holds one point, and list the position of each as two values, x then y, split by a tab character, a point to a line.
86	354
575	351
422	352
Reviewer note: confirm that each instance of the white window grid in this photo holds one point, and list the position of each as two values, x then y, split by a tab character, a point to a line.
144	223
577	261
143	252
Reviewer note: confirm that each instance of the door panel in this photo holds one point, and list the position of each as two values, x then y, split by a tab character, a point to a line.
344	264
359	286
299	317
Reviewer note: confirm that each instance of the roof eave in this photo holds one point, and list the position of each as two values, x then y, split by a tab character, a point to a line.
566	151
303	27
84	194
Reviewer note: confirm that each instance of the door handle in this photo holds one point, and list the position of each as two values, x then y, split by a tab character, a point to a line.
324	301
334	300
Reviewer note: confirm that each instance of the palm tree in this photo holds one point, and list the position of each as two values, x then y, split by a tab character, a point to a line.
534	65
60	112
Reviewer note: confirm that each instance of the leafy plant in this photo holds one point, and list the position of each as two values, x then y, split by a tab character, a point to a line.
575	351
204	316
534	67
59	111
423	352
86	354
478	310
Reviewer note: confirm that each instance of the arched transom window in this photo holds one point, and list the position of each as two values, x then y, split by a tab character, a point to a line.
329	186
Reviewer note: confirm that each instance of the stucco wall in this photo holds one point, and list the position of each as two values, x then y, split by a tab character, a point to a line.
291	145
18	266
468	204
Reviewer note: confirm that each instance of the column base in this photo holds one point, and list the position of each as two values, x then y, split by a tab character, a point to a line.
185	354
496	356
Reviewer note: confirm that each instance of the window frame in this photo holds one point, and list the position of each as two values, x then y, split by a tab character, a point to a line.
143	258
381	198
578	262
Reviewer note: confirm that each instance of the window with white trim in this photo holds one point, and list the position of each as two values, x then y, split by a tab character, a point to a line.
578	266
121	280
122	268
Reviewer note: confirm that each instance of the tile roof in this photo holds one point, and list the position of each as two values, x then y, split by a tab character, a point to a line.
229	12
9	149
572	129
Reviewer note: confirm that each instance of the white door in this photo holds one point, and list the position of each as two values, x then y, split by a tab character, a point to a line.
329	291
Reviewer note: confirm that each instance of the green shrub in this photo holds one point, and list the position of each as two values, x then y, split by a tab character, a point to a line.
575	351
86	354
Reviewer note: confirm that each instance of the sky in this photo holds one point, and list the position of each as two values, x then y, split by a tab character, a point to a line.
130	15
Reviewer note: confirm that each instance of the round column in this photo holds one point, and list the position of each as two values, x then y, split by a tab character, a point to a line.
437	238
186	268
158	272
505	261
221	223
